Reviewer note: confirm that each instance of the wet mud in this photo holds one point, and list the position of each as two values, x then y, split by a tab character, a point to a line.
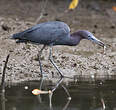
85	60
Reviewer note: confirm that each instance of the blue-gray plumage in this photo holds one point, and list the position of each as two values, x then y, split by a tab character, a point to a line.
54	33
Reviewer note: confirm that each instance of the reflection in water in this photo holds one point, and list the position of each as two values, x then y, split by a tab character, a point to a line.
85	96
3	100
39	92
103	104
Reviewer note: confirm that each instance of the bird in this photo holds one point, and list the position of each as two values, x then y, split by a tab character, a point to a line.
52	33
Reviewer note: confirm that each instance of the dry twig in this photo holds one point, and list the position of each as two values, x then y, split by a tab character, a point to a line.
4	72
42	12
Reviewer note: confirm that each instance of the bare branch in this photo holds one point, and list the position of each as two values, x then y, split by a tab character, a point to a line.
4	72
42	12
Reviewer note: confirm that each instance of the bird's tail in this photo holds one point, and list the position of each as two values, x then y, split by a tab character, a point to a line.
16	36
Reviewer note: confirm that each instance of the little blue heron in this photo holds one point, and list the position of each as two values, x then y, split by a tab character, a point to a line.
54	33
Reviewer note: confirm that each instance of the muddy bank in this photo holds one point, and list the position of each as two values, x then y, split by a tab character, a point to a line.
86	59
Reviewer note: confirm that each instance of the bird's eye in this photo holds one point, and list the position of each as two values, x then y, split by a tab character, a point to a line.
89	36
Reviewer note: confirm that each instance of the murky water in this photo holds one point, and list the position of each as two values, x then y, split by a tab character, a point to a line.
85	95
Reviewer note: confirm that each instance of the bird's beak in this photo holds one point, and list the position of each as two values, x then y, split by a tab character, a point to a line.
97	41
100	43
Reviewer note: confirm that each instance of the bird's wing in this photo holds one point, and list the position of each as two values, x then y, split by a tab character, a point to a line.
22	35
46	33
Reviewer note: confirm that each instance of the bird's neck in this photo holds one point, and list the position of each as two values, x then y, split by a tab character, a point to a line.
74	39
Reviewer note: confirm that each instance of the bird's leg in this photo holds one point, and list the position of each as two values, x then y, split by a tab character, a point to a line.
39	58
52	61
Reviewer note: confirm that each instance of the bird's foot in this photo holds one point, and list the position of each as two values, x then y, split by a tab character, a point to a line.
63	76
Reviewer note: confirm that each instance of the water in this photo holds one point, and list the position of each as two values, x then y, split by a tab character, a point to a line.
85	95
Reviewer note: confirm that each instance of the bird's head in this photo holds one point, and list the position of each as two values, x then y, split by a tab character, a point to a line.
88	35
